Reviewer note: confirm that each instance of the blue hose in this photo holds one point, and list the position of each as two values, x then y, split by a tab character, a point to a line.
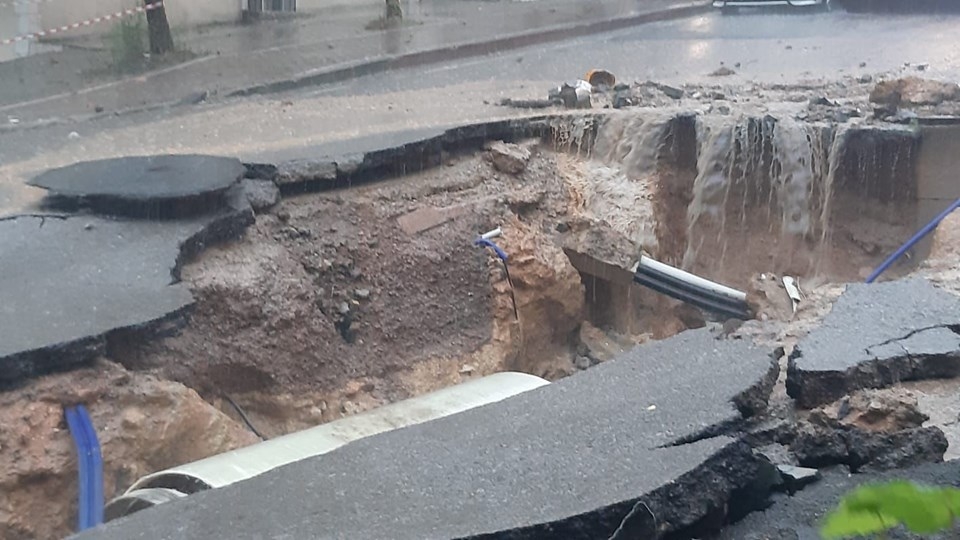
89	465
96	462
911	242
487	243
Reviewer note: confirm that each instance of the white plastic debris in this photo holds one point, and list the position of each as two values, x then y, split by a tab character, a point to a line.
792	285
496	233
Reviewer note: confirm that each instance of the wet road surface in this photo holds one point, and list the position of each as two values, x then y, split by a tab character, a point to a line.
769	47
772	47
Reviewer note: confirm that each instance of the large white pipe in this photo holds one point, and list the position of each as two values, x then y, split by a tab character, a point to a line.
244	463
696	281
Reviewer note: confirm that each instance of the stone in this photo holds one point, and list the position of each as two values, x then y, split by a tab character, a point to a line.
863	79
596	345
872	410
361	294
508	158
722	71
777	453
429	217
582	362
671	91
914	91
822	101
817	446
261	194
305	171
796	478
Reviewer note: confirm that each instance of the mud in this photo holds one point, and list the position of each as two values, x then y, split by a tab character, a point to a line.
341	301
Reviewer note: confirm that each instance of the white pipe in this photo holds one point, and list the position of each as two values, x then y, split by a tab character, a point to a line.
496	233
241	464
693	280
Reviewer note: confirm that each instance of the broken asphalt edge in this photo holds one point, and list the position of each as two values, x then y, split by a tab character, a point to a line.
352	70
225	225
683	505
327	172
815	388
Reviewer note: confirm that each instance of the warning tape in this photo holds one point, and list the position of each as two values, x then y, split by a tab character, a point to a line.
88	22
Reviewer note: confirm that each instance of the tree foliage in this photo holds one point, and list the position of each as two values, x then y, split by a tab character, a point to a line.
872	509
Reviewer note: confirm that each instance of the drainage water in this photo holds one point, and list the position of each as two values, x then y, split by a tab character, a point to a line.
768	194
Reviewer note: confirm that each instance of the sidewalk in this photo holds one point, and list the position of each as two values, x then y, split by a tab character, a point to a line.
331	44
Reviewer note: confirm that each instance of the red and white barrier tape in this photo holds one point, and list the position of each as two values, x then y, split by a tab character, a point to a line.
88	22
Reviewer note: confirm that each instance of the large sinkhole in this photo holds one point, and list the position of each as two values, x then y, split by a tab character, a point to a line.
741	201
342	301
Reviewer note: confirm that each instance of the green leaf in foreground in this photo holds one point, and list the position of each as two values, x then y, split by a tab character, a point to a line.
874	508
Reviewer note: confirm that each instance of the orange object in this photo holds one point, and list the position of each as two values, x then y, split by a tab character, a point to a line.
601	77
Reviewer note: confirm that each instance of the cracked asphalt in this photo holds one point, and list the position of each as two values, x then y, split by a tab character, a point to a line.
768	47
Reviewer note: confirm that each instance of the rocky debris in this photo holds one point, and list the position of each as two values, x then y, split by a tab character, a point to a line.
879	411
143	424
817	446
261	194
305	171
796	478
670	91
822	101
687	485
722	71
507	157
428	217
598	346
914	91
777	453
798	516
877	335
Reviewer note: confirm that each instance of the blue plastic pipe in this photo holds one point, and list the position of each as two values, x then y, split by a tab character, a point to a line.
911	242
83	466
96	464
89	465
487	243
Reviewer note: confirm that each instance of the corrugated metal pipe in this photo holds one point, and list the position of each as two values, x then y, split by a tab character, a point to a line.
692	289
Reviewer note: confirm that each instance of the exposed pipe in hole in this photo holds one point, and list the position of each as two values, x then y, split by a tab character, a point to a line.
694	290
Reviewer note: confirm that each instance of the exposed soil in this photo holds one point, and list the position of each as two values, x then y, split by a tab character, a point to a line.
144	424
339	302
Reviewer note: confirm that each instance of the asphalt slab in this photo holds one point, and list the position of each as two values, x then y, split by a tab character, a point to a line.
569	459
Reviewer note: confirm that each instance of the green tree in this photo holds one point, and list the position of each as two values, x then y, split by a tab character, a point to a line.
873	509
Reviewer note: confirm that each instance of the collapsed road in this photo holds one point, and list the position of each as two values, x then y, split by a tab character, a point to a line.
674	438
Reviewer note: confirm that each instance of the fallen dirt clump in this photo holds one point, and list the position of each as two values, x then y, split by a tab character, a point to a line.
914	91
144	424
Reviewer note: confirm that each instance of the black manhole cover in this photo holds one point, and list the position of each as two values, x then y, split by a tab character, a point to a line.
143	178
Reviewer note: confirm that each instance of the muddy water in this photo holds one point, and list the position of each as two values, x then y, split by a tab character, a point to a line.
768	195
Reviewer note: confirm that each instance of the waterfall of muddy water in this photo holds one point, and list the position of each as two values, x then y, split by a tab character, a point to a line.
619	185
761	196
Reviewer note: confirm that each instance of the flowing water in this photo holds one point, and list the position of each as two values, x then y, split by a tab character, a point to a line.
769	194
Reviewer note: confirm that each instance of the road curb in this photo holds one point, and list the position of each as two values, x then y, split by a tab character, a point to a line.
352	70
